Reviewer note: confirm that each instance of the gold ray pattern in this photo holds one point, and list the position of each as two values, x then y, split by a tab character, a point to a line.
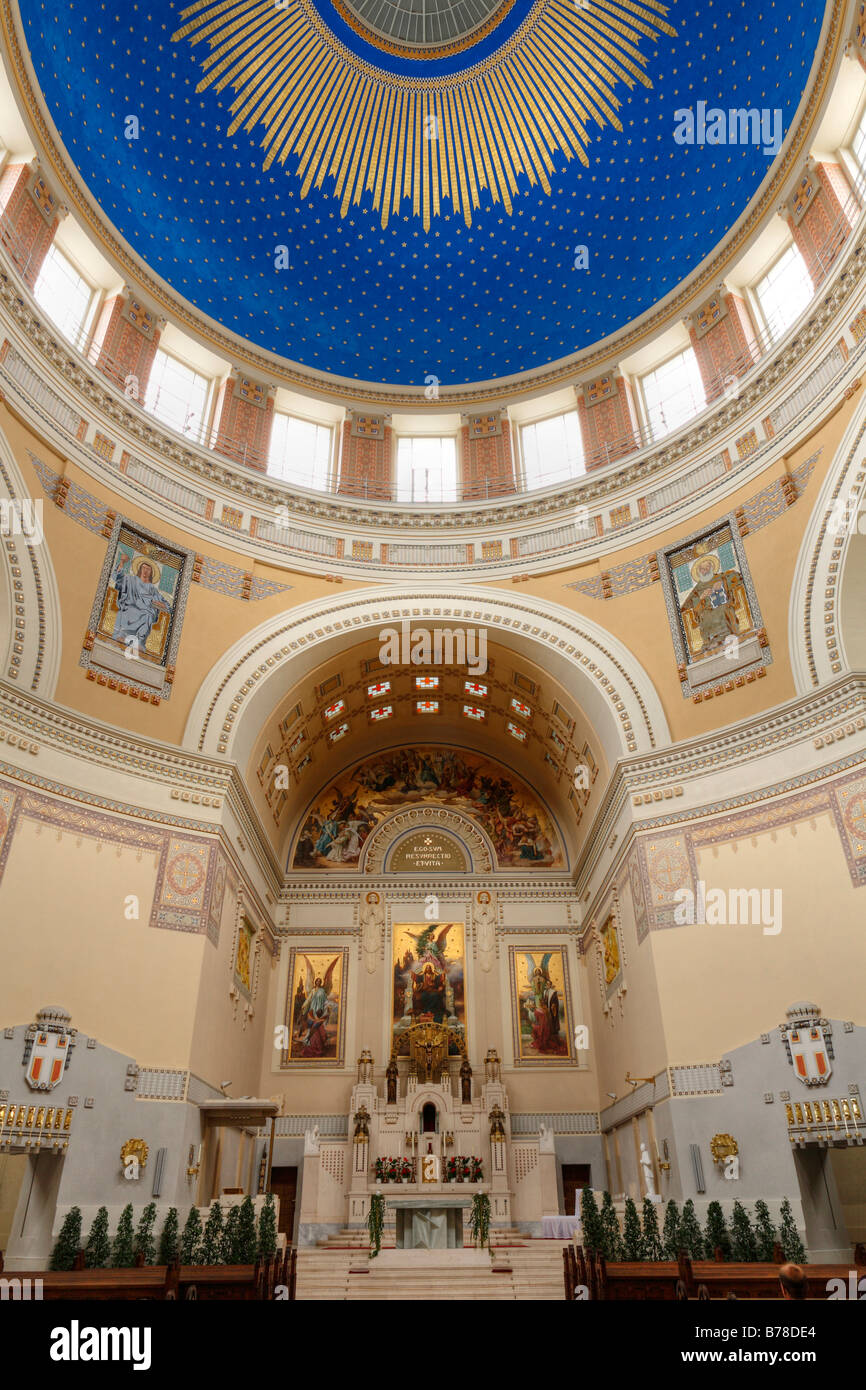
399	138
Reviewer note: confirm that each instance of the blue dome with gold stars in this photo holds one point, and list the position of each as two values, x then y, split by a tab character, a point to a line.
387	189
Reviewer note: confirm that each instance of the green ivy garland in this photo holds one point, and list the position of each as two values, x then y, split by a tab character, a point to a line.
376	1223
479	1220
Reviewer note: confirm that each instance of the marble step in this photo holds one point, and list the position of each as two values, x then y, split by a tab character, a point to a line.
530	1272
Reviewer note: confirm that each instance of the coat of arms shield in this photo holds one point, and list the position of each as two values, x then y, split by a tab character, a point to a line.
809	1056
47	1060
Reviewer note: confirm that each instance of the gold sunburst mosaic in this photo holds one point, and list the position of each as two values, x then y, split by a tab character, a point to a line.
359	130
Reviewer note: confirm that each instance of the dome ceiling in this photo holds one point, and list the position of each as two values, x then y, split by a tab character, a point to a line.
429	167
423	23
351	707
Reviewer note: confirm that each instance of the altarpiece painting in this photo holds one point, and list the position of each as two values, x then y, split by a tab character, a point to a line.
315	1007
429	972
540	1005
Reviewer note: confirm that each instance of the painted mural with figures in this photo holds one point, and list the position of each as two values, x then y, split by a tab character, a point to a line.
711	592
138	605
519	827
539	983
429	981
314	1008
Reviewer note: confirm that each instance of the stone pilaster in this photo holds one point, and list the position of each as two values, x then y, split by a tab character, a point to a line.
244	420
723	338
608	419
125	341
30	218
366	458
820	216
487	456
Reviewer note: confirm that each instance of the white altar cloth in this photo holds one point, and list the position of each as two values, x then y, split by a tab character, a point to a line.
559	1227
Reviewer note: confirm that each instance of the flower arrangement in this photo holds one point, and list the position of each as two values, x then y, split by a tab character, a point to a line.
376	1223
395	1170
479	1220
462	1169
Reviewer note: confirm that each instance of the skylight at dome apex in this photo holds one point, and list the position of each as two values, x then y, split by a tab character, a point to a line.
430	171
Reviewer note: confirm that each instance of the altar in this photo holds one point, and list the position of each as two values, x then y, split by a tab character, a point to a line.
428	1146
429	1223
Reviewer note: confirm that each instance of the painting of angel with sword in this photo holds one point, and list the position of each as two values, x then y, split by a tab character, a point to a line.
316	1027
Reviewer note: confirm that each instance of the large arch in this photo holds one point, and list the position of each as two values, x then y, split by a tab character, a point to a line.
830	548
31	656
378	851
609	682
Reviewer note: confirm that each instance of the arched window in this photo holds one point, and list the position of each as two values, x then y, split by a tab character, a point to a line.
177	395
65	295
552	450
673	393
426	468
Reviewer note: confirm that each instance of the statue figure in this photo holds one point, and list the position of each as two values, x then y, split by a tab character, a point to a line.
546	1142
497	1123
311	1141
372	918
484	922
491	1064
647	1169
362	1124
365	1066
391	1076
465	1082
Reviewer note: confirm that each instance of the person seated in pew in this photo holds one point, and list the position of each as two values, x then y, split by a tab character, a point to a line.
793	1282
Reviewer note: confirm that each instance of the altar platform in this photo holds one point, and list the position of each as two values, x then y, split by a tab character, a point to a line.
430	1220
430	1260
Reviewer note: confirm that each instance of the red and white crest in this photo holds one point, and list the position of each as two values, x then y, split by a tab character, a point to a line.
809	1055
47	1060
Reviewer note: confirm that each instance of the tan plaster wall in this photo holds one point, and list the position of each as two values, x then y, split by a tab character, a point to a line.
64	940
213	622
631	1037
223	1046
721	986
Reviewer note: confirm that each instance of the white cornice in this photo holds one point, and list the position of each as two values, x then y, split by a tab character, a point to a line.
753	760
768	387
779	748
99	763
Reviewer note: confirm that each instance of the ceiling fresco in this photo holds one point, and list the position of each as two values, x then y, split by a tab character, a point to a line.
396	191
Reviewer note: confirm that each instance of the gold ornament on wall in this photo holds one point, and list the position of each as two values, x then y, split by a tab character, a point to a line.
723	1146
134	1149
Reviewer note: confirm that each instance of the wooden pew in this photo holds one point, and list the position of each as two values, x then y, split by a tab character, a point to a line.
659	1280
101	1285
207	1283
235	1283
569	1272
